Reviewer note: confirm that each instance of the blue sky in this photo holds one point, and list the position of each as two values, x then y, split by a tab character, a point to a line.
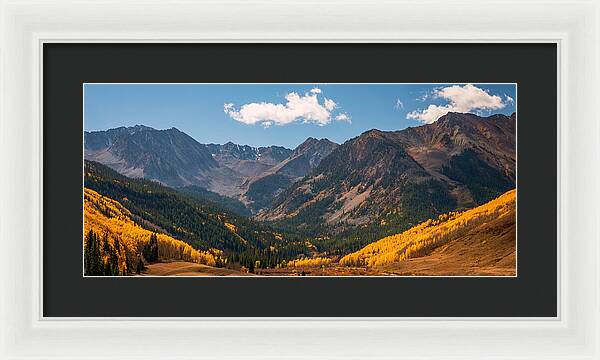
286	114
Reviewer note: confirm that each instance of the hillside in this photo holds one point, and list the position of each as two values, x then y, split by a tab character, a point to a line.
116	240
479	241
200	223
477	152
391	181
225	202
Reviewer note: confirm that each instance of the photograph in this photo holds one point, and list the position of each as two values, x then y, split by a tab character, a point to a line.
299	179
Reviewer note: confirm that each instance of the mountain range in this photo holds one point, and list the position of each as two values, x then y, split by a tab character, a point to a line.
392	179
171	157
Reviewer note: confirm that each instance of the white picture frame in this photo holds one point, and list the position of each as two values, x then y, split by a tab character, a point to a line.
574	26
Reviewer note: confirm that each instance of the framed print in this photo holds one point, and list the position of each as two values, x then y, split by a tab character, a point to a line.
329	188
363	186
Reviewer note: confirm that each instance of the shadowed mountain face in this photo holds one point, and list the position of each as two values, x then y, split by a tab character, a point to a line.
307	156
406	176
460	146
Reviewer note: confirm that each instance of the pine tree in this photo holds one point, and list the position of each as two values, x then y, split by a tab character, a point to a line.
150	250
92	255
140	265
87	253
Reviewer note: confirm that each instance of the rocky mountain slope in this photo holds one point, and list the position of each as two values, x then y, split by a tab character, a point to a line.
404	177
169	156
175	159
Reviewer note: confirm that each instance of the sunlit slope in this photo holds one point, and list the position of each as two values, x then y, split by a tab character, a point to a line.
480	241
107	216
192	219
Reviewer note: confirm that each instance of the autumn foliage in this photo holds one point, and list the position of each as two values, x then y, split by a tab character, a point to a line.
423	238
309	262
115	245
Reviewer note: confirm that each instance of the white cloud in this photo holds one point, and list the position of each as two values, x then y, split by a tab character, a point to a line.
430	114
306	108
329	104
399	104
344	117
460	99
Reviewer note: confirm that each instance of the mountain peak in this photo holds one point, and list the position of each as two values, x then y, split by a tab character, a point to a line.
312	144
139	128
168	156
458	117
312	140
373	133
452	115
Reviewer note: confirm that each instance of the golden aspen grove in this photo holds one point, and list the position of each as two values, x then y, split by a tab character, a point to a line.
434	233
118	234
309	262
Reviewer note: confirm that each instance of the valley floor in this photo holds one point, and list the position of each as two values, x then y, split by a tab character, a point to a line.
477	242
477	249
432	265
182	268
